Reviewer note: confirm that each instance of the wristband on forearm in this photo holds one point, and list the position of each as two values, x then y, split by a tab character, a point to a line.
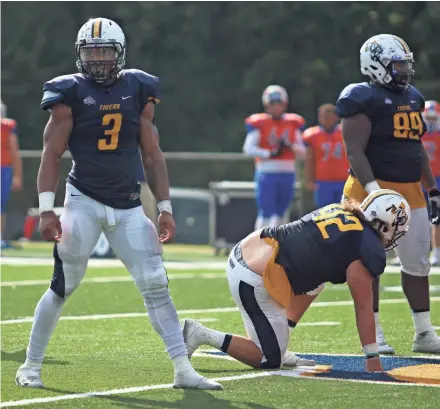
371	350
165	206
46	201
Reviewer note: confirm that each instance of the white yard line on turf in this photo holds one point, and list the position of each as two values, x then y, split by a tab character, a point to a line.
203	311
171	265
295	373
114	279
121	391
108	263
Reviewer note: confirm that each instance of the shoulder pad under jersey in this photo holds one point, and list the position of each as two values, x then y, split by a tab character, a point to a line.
149	84
9	123
295	118
58	90
309	134
256	119
354	99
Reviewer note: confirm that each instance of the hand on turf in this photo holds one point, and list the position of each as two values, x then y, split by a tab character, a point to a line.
434	200
167	227
374	365
50	226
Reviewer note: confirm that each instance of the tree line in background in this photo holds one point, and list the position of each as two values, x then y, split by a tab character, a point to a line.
214	58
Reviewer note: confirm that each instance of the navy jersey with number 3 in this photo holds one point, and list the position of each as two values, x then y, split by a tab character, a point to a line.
105	135
394	149
320	246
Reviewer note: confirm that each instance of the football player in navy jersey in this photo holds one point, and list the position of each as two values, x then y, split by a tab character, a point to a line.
382	127
271	268
102	115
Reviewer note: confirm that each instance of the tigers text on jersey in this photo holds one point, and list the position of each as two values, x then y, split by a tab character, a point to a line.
320	246
105	135
331	162
431	142
394	149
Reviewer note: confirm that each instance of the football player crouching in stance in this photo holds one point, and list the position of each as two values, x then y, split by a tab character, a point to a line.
274	271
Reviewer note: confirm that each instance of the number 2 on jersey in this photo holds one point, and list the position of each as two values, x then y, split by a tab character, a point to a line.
106	144
408	125
345	221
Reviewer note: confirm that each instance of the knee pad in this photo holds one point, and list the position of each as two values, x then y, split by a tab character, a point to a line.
317	290
152	275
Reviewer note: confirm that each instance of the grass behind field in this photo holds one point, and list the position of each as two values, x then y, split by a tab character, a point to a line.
104	354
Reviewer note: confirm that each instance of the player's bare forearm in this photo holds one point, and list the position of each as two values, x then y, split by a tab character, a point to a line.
356	132
157	175
359	282
310	165
152	156
56	137
427	179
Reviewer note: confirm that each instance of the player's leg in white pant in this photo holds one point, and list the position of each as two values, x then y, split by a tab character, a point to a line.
264	319
413	251
135	241
81	229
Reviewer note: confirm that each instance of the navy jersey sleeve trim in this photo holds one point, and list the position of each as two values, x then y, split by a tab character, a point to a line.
50	99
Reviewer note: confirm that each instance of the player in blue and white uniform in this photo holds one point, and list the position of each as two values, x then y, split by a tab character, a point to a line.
274	270
102	115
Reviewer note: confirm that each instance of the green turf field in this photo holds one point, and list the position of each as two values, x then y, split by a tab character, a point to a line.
94	353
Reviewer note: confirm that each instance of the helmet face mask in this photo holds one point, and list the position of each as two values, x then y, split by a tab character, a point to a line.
275	100
98	62
100	50
401	72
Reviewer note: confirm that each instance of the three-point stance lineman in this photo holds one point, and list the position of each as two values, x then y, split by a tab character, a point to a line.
276	272
102	114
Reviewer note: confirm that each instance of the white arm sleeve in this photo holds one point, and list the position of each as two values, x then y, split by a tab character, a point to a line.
251	148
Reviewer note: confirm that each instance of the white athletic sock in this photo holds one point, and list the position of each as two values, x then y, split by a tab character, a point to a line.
215	338
163	317
47	314
376	318
437	253
181	364
422	321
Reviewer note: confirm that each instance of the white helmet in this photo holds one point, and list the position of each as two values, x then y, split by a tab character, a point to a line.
274	93
389	213
387	59
100	49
